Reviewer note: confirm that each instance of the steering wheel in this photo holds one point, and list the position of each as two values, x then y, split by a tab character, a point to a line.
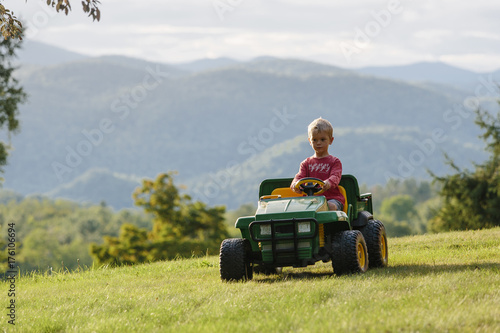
310	186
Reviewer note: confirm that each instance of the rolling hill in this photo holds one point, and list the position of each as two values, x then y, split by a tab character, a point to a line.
426	72
100	117
445	282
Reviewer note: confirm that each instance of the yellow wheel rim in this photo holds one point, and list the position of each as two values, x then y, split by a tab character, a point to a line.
383	247
361	256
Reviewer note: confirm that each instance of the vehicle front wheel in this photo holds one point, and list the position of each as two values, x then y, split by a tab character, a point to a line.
350	254
234	260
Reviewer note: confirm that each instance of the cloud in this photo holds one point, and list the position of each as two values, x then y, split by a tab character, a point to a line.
460	32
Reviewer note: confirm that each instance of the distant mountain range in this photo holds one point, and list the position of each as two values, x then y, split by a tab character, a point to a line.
435	72
93	127
35	53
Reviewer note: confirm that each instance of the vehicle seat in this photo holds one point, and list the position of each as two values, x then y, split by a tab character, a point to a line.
346	205
286	192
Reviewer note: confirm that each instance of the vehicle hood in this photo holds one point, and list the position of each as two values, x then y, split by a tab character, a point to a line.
289	205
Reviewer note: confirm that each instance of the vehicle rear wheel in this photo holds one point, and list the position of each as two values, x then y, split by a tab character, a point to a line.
350	254
376	242
234	260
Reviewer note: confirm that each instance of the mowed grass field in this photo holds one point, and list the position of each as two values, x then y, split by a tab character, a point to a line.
446	282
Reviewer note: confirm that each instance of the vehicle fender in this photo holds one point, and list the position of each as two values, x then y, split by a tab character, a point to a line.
362	219
242	223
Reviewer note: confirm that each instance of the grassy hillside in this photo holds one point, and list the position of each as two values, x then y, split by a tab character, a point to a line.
434	283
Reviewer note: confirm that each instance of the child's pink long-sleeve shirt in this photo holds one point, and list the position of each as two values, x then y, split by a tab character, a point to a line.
328	169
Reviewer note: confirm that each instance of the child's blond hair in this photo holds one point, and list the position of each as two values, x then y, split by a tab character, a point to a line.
320	125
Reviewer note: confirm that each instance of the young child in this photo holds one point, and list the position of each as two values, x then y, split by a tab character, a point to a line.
322	165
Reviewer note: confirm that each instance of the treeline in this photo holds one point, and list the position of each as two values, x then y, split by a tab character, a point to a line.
54	234
405	207
57	233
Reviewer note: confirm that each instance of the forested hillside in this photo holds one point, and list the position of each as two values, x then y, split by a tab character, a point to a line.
94	127
57	233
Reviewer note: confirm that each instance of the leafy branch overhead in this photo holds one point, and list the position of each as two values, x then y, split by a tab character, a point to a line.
11	26
11	94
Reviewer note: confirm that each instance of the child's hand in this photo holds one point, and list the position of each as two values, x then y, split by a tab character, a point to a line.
293	188
327	186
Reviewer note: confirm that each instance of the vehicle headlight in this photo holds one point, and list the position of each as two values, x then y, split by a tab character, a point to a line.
304	227
265	229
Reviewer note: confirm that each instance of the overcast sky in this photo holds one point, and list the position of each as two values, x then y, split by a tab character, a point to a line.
347	34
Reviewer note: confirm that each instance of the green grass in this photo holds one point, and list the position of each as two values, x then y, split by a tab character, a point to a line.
446	282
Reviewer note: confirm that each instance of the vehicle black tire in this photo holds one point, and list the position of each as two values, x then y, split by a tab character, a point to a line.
234	260
350	254
376	242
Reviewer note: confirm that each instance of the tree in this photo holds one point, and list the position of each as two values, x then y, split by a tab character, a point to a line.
131	246
11	94
471	199
419	191
180	227
11	27
399	207
399	215
162	199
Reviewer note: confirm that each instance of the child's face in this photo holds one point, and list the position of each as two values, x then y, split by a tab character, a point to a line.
319	142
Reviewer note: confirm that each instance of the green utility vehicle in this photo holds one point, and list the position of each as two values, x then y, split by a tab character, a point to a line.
298	230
